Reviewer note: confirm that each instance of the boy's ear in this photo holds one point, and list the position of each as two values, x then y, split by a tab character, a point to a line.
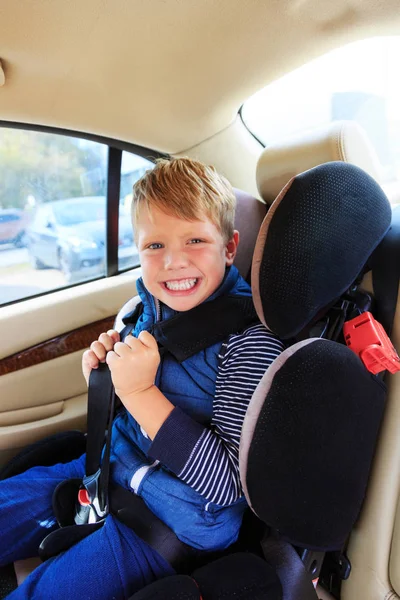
231	248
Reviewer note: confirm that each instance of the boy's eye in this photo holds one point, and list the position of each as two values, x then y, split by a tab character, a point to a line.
195	241
154	246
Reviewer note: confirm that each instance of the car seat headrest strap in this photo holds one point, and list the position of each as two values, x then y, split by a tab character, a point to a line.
215	320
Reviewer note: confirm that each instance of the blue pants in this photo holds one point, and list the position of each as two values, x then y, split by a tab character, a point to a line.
110	564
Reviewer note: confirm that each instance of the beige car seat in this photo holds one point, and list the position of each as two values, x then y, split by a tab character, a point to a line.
374	546
341	140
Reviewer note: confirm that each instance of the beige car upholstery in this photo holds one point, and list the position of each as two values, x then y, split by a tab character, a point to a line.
374	545
202	60
340	140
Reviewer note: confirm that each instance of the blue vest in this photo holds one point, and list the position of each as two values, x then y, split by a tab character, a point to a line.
191	386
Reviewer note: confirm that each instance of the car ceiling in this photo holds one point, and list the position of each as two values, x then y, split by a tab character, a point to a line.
166	74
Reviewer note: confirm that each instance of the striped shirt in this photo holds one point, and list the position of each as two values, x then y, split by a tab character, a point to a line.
208	459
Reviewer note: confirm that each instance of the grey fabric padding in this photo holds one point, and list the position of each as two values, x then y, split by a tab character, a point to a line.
256	404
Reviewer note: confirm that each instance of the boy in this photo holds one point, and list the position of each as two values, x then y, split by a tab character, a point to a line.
176	445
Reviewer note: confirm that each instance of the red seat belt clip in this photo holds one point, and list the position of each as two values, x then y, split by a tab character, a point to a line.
83	497
367	338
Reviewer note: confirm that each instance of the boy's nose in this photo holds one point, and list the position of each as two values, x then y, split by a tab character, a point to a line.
176	259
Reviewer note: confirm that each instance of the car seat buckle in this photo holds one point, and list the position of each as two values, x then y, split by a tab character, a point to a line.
89	507
368	339
83	497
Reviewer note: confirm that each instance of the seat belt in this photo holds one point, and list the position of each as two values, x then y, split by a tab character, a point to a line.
74	495
101	408
216	319
296	581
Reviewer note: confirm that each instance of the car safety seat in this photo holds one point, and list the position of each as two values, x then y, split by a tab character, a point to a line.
340	141
310	430
374	544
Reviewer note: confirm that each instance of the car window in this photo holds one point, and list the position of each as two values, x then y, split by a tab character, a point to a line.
132	168
53	209
357	82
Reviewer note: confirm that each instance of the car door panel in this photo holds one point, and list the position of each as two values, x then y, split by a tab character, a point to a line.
42	390
55	347
46	246
9	418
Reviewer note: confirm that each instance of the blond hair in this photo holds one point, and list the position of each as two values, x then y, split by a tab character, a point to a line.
187	189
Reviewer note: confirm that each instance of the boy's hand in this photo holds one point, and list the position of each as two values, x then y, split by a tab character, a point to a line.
133	365
98	351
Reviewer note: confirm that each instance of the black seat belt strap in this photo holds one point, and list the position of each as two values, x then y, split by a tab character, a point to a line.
101	403
296	581
99	393
190	332
179	336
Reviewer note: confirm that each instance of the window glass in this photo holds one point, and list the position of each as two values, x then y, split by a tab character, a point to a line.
358	82
52	212
132	168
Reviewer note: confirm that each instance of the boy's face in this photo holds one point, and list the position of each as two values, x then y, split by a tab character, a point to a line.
183	262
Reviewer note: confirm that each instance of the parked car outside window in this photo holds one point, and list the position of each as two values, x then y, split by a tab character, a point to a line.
12	226
44	169
69	235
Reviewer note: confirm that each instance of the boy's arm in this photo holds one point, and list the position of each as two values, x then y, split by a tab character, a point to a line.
150	408
133	365
207	459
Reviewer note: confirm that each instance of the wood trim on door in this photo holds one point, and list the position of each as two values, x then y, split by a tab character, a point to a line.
66	343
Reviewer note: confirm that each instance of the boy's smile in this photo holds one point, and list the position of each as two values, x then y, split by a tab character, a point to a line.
181	286
183	262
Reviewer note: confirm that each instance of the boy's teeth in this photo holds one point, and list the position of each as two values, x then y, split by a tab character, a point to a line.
182	284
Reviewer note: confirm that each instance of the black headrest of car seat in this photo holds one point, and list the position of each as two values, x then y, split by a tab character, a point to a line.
314	242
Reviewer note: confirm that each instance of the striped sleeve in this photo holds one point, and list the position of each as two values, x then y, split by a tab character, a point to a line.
207	458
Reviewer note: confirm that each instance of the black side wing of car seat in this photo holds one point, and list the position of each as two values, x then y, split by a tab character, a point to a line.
385	264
